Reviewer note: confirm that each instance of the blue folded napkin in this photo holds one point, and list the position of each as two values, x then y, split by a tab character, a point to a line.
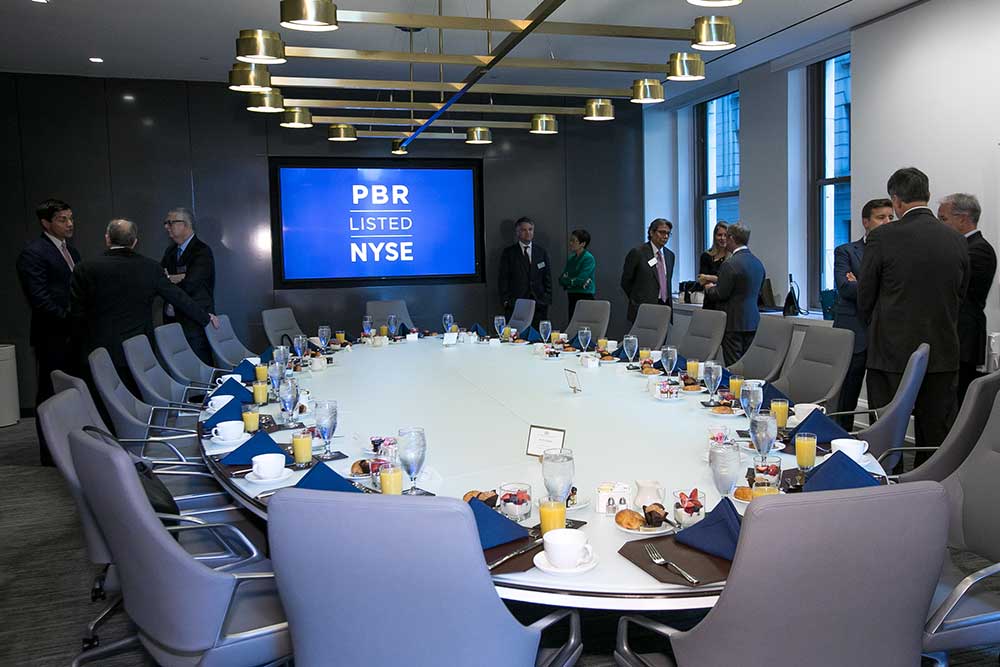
233	388
620	354
401	330
246	371
532	335
770	393
480	331
836	473
260	443
725	378
575	342
826	429
267	356
679	365
323	478
314	346
716	534
494	528
230	412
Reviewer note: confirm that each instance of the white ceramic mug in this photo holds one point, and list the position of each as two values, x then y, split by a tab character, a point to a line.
268	466
317	363
235	376
217	402
228	430
612	346
803	410
567	548
856	449
655	355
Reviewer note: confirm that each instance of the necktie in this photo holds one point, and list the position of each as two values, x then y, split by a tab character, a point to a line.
180	251
527	257
65	253
661	275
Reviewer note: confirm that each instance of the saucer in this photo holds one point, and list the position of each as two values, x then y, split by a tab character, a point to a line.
216	440
665	529
252	477
581	504
542	563
736	413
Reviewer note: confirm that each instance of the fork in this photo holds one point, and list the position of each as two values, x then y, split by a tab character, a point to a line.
654	555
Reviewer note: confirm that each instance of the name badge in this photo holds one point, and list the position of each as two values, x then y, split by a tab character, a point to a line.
541	265
652	262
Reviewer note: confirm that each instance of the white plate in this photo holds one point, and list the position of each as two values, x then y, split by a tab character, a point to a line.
542	563
665	529
609	362
251	477
581	504
667	397
737	413
701	390
747	446
216	440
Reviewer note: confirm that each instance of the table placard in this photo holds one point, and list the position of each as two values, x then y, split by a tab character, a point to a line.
450	338
541	438
573	380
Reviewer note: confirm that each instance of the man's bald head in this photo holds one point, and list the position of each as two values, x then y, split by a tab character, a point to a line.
121	232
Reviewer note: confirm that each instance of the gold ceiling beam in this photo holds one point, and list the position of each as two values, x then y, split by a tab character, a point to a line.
412	122
473	60
446	86
512	25
379	134
382	105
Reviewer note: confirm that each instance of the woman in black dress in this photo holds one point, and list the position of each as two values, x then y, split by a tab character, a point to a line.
711	260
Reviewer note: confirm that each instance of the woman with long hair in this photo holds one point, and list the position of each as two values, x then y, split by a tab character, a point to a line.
712	259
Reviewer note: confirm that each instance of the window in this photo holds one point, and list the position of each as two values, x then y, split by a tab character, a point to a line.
831	147
718	123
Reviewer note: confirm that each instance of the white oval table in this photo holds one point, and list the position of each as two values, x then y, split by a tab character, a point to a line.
476	402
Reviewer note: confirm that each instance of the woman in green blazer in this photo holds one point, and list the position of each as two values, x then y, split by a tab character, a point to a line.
578	276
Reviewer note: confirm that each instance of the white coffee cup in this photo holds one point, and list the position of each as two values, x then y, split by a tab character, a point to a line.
235	376
228	431
268	466
567	548
563	337
856	449
217	402
317	363
655	355
612	345
803	410
253	360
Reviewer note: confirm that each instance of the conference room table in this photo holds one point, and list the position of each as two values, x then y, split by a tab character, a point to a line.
476	402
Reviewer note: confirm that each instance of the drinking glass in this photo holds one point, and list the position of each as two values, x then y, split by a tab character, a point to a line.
515	500
499	322
393	323
446	321
668	357
341	336
631	345
779	408
366	325
551	513
735	385
584	335
301	344
767	468
805	451
288	394
751	396
326	422
412	447
260	392
713	377
763	431
545	330
281	356
724	460
558	471
275	372
324	335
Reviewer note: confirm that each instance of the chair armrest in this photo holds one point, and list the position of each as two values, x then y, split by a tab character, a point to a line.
562	657
886	453
180	517
184	473
870	411
169	408
174	429
625	652
161	462
937	621
215	528
192	407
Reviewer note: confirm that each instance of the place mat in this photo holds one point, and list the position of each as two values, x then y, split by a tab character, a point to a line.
521	563
793	479
242	471
705	568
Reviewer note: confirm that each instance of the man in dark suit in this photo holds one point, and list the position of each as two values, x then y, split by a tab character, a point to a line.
914	275
190	265
961	212
846	269
740	280
44	268
525	272
648	272
111	297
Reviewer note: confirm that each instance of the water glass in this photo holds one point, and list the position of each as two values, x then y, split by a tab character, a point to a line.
558	471
763	432
724	459
301	344
366	325
275	372
288	394
326	422
499	322
631	345
545	330
447	320
668	357
412	447
282	356
393	323
584	336
713	378
324	335
751	396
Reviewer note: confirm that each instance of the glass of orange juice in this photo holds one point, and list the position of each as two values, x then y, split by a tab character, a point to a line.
302	449
260	392
552	512
779	408
643	353
805	451
692	368
602	343
251	421
735	385
391	479
260	372
341	336
554	338
383	330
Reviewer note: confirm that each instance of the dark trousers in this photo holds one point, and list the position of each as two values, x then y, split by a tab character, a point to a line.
54	354
735	344
573	298
196	338
851	389
933	413
966	374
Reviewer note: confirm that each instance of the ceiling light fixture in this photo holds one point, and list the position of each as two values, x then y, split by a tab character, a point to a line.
296	118
398	148
310	15
686	67
96	60
715	3
260	46
249	78
713	33
41	2
647	91
598	108
128	97
267	102
544	123
478	135
342	132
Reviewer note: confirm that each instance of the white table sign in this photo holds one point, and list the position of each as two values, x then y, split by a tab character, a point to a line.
541	438
573	380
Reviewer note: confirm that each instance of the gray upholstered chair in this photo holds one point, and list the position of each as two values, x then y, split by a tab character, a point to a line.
704	334
280	324
155	384
226	347
651	325
962	436
963	614
593	314
766	356
181	361
818	370
62	381
381	310
444	609
524	313
188	613
818	560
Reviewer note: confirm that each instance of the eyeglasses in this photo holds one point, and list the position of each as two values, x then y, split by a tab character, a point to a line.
167	223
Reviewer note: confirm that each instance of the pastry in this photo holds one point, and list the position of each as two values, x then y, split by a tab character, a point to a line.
630	519
489	498
470	495
361	467
607	357
655	514
744	493
723	410
692	387
649	370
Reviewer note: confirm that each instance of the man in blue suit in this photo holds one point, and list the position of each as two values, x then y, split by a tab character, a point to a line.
846	268
740	279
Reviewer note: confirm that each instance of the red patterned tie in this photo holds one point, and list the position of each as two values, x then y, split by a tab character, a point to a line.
661	275
65	253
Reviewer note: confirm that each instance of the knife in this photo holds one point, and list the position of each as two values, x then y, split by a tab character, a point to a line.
523	550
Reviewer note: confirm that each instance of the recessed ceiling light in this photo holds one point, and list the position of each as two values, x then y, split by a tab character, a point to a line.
41	2
128	97
96	60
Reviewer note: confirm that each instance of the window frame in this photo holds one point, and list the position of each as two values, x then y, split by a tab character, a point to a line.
701	171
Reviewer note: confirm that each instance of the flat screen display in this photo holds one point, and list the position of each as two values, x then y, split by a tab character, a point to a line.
336	222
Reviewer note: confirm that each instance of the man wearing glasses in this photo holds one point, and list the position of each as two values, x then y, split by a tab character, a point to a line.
189	264
649	270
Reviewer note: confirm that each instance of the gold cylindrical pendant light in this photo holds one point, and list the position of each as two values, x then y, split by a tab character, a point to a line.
713	33
647	91
296	118
715	3
342	132
267	102
599	108
544	123
686	67
478	135
311	15
398	148
249	78
260	46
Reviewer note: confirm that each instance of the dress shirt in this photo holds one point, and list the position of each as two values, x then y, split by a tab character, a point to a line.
526	250
968	234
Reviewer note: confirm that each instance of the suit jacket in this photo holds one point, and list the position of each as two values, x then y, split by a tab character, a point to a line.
111	300
520	279
971	315
198	265
45	279
740	279
639	279
914	275
847	259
